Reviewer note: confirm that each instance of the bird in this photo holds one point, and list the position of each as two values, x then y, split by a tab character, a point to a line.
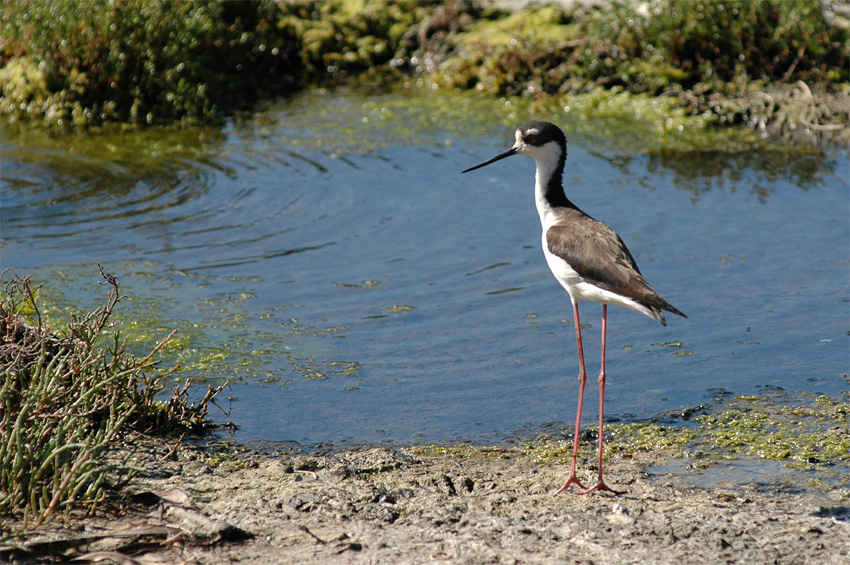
587	257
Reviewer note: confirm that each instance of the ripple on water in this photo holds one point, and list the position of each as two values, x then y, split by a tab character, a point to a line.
327	256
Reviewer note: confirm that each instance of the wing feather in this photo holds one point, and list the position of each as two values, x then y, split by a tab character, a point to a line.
599	256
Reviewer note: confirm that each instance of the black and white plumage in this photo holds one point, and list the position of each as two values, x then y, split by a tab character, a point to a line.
587	257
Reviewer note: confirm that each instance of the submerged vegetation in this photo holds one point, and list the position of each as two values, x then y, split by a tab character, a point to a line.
773	66
67	400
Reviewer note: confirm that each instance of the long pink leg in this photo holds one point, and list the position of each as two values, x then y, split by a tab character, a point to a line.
600	484
582	378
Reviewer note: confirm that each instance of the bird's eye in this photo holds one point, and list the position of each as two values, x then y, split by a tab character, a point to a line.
530	137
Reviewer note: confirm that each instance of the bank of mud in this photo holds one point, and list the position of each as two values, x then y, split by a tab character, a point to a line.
378	505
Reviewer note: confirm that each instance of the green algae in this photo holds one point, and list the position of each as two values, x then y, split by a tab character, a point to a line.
460	451
361	122
423	115
613	120
216	341
802	435
809	435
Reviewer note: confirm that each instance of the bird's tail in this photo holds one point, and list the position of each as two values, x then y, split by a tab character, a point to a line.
656	312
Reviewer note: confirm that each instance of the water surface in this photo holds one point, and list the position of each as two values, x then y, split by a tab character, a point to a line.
326	256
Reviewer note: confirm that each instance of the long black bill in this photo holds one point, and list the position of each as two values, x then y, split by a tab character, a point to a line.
499	157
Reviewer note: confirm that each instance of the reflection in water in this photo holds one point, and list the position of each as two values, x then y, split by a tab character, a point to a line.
756	172
327	257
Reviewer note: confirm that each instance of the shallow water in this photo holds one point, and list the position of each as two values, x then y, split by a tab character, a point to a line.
326	256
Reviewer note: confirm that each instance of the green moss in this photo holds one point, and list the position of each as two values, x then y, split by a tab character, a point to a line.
807	434
544	24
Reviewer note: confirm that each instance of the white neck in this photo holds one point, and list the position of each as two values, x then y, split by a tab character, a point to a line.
547	159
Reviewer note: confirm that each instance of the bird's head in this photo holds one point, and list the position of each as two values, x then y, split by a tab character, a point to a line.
542	141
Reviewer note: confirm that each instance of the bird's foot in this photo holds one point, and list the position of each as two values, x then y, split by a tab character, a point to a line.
600	486
572	480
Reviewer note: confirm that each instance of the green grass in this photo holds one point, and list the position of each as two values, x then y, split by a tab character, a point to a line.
68	398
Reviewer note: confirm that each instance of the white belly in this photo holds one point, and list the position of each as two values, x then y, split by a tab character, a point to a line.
577	287
580	289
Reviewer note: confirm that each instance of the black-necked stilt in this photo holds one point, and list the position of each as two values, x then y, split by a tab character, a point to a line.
587	257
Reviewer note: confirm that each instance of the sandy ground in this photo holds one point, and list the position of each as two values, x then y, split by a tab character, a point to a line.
375	505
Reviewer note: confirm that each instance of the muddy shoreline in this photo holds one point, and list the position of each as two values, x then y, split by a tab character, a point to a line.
378	505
